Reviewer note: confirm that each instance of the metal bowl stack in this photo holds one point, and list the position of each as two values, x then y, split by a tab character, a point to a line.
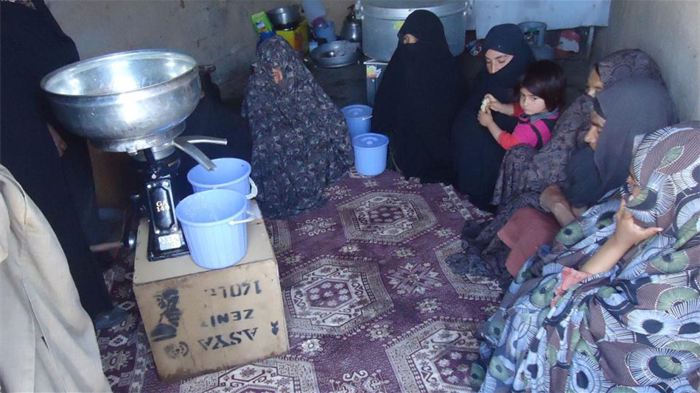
336	54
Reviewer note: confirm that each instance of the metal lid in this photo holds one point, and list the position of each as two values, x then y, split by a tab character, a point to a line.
357	110
370	140
391	9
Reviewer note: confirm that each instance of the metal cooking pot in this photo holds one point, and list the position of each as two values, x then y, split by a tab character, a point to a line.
287	17
352	29
126	101
382	20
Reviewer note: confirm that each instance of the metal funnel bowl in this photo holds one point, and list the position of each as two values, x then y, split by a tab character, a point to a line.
127	101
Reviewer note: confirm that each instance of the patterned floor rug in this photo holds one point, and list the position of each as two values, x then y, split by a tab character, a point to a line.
371	305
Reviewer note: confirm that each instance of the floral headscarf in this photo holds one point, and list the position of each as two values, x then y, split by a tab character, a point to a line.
300	139
635	328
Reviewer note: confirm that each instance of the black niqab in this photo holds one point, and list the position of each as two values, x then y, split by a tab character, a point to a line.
477	155
417	100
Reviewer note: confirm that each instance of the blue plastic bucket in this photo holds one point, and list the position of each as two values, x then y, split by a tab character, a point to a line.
359	119
214	224
370	153
230	174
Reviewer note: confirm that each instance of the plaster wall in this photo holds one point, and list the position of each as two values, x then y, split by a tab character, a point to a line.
669	31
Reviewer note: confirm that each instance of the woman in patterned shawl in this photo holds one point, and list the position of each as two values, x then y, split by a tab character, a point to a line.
300	139
635	106
526	172
632	326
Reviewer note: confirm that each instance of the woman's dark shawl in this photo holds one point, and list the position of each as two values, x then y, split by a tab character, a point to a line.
477	155
418	99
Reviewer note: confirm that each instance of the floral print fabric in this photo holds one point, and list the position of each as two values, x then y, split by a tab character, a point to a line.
631	329
300	139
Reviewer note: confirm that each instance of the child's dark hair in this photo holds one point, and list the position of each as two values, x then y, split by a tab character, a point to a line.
546	80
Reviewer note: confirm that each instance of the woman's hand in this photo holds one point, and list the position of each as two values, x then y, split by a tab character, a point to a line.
496	105
553	200
551	197
628	232
485	118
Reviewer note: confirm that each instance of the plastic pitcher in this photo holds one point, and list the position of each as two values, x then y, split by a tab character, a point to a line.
214	224
230	174
358	118
370	153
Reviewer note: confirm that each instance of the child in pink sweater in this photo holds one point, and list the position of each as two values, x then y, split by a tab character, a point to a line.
541	95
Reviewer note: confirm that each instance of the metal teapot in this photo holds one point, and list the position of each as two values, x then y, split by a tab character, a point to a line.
352	27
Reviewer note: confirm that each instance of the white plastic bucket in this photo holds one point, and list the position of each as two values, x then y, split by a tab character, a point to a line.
370	153
230	174
214	224
358	117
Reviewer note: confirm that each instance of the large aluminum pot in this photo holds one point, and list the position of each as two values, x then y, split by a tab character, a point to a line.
125	101
382	20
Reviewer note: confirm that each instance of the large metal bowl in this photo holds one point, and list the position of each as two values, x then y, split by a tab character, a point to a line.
125	101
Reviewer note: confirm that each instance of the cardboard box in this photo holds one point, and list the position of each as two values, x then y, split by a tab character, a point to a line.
200	320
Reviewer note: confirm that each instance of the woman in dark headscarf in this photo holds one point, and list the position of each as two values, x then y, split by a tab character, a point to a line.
418	99
52	166
616	308
477	155
300	139
525	169
636	106
525	172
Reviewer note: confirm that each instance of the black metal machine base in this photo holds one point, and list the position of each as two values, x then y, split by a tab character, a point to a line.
165	237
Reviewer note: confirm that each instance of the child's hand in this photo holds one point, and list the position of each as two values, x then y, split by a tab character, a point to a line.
627	232
494	104
485	118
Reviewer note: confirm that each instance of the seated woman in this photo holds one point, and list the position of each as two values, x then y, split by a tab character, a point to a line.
633	107
526	172
477	155
617	310
52	165
418	99
541	94
300	139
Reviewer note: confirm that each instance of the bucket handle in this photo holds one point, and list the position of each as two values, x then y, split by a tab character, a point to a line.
248	219
253	190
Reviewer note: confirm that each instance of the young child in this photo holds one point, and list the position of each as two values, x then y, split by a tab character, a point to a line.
541	95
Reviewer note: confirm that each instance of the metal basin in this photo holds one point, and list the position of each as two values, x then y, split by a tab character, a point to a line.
127	101
336	54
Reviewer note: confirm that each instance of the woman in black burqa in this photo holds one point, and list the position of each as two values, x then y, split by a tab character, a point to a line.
418	99
477	155
52	166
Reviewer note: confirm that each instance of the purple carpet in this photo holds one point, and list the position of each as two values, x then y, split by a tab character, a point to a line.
371	305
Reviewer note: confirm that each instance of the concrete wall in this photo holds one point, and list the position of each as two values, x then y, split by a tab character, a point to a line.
670	32
215	32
